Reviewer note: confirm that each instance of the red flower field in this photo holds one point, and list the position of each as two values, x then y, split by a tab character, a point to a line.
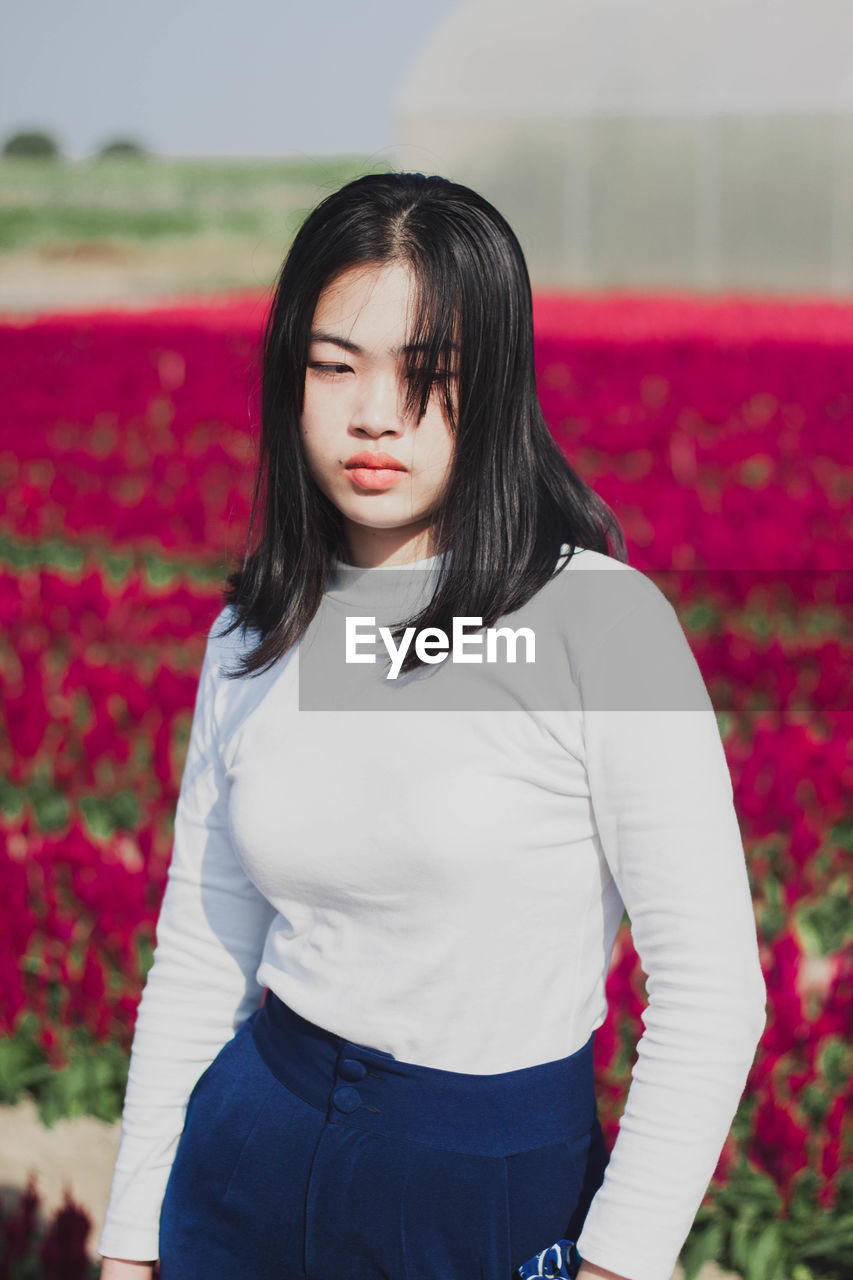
722	435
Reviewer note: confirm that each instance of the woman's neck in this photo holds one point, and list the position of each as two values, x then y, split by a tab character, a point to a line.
378	549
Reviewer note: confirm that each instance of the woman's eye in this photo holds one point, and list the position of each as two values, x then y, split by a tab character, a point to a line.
443	375
328	370
445	378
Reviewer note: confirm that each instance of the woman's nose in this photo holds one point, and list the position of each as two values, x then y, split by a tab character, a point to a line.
377	405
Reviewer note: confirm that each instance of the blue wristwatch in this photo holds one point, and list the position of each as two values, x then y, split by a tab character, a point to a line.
560	1260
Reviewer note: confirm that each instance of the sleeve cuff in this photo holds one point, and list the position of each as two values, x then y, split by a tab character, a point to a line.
131	1243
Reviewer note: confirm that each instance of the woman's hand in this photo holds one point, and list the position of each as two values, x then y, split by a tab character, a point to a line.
124	1269
589	1271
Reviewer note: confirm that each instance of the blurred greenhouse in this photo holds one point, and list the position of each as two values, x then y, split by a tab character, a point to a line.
702	144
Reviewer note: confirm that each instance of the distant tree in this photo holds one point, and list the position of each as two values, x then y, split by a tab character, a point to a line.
32	143
121	147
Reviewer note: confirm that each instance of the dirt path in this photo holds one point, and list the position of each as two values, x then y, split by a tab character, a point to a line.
132	275
78	1154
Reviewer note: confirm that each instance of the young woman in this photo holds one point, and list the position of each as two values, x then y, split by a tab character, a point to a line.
365	1048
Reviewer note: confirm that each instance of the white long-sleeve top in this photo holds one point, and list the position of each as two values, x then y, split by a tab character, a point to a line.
447	886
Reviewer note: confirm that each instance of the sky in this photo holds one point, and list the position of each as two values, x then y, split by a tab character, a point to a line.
210	77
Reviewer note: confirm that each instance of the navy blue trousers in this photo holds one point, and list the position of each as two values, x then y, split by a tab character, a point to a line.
311	1157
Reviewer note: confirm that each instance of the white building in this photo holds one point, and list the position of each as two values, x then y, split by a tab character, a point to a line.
703	144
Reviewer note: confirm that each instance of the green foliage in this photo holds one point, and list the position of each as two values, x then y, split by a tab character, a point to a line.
19	553
95	1078
20	227
31	144
145	952
22	1062
836	1062
745	1229
12	798
827	924
122	147
106	814
113	196
53	553
50	807
93	1083
842	835
772	912
160	572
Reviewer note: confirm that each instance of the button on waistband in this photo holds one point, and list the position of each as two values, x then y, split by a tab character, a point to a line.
352	1069
346	1098
403	1100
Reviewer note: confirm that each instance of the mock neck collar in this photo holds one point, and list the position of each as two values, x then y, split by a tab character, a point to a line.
426	563
387	586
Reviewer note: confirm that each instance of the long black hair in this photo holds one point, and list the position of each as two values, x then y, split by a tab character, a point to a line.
511	500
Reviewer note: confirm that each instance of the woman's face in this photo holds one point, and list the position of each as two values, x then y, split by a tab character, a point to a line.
355	391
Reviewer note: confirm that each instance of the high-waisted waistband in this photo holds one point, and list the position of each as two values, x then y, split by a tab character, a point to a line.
370	1089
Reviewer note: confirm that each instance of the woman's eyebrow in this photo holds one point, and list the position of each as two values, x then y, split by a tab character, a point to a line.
320	335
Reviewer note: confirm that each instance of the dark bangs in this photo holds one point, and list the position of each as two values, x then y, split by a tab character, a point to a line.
434	341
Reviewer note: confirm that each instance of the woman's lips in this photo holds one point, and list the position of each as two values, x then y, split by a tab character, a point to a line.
375	477
374	470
